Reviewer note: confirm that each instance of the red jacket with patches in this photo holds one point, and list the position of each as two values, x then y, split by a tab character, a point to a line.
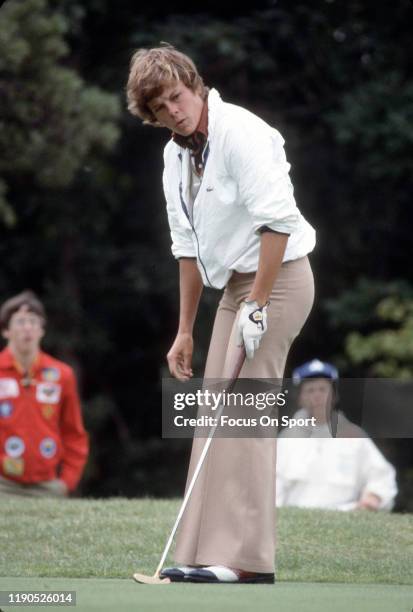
42	436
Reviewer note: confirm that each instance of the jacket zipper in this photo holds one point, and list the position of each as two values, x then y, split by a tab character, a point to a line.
185	209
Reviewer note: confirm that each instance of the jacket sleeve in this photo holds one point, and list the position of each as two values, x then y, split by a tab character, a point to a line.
182	244
379	475
74	438
255	157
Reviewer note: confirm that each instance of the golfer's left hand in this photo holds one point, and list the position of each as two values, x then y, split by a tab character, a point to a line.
252	325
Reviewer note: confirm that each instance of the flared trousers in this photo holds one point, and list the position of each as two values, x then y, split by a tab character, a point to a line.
230	517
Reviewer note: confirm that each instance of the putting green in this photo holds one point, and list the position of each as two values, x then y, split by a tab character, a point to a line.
125	595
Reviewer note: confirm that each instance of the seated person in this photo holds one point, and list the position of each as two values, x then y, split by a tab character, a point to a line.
316	470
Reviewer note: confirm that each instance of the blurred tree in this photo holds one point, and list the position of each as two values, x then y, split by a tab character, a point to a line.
389	351
382	314
82	233
50	119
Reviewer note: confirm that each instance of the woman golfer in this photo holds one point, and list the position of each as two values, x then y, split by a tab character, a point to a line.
234	226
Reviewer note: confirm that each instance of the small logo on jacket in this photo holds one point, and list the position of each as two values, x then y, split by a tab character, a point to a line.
6	409
8	388
13	467
48	448
48	393
14	446
210	189
51	374
48	411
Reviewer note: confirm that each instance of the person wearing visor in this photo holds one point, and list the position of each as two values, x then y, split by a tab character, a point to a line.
315	469
235	227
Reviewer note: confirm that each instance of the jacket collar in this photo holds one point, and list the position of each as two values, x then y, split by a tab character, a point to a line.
215	104
8	361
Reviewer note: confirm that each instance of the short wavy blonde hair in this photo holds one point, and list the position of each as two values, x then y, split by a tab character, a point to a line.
151	70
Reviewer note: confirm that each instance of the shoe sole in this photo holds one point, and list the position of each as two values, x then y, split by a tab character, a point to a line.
263	580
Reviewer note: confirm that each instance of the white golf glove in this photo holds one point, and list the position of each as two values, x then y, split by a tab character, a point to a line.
252	325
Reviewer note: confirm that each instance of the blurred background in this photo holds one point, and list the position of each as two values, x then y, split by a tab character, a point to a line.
82	214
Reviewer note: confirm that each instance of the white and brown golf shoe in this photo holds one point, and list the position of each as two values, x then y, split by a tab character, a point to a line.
177	574
219	574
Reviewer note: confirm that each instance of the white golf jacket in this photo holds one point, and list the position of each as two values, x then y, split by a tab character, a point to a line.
245	185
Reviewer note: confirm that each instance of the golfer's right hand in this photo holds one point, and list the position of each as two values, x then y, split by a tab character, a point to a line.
180	357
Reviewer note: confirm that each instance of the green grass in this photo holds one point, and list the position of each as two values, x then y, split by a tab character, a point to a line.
326	561
115	595
112	538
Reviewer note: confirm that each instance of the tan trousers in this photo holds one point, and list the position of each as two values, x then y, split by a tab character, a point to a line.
47	488
230	517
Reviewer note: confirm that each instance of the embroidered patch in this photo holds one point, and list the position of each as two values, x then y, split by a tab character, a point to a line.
14	446
48	393
48	411
8	388
48	448
51	374
13	467
6	409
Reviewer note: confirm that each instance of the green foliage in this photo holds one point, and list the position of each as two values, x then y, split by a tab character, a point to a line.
382	314
50	119
356	307
388	352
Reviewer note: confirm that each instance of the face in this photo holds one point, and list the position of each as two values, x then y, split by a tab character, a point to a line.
316	395
178	108
25	331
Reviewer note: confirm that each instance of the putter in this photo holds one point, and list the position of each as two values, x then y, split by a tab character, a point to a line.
156	579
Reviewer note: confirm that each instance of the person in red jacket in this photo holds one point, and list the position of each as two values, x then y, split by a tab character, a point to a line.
43	443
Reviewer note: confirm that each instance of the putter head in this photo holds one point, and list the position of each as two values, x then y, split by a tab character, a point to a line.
142	579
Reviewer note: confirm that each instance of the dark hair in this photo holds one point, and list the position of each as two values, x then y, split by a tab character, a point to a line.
13	304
